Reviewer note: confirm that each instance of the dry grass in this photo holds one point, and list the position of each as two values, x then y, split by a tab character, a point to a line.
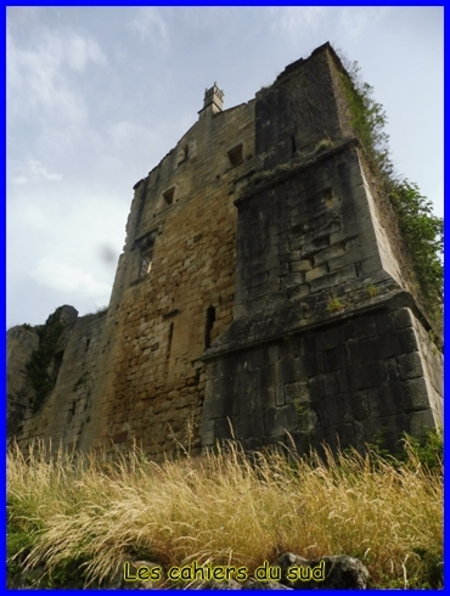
227	509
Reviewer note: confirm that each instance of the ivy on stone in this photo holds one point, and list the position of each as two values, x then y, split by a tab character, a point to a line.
423	233
368	119
38	367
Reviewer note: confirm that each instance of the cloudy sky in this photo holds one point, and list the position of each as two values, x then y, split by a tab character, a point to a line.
97	96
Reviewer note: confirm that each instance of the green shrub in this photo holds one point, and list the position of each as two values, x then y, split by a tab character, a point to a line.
427	450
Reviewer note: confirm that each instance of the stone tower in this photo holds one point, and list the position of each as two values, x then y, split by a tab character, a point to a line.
262	293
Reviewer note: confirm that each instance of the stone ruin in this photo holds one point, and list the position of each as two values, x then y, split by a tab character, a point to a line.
262	294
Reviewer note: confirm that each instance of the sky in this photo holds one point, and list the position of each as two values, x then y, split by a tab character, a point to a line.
97	96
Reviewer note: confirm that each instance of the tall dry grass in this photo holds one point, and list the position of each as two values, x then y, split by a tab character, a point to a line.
227	508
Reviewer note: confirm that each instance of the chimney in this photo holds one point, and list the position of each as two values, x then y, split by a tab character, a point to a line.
213	98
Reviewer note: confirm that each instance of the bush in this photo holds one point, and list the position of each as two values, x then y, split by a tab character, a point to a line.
427	450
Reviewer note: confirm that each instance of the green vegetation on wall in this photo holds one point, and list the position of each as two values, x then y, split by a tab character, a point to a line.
422	231
38	367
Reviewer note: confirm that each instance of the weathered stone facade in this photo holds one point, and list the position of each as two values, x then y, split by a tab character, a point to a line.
261	293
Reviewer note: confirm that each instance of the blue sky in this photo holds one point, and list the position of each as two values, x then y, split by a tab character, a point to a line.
97	96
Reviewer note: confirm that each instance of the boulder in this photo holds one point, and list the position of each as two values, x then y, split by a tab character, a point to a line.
329	572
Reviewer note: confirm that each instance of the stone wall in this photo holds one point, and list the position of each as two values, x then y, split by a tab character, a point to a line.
66	410
345	378
159	322
307	230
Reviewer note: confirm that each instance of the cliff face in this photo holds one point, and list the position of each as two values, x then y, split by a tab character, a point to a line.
258	290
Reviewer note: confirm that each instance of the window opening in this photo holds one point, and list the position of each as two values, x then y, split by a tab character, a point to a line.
293	144
168	196
169	344
210	319
327	194
144	245
146	265
236	155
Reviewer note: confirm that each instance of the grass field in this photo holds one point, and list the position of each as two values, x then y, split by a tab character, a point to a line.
85	516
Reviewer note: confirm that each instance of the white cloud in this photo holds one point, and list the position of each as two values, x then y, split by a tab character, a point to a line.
329	22
353	20
151	25
32	172
39	170
36	81
65	278
38	77
80	51
294	19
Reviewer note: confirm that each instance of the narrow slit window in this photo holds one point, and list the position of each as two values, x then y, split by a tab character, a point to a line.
210	319
169	343
236	155
293	144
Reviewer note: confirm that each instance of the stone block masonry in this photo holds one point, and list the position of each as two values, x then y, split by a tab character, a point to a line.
66	411
259	294
347	379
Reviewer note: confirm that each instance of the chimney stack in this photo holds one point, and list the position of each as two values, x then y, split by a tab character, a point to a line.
213	98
